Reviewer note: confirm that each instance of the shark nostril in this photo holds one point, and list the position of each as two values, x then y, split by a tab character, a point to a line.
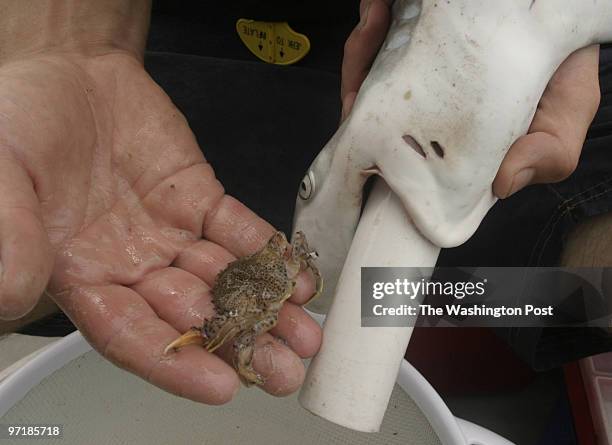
437	148
414	144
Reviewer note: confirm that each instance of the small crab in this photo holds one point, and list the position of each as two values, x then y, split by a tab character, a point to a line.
248	295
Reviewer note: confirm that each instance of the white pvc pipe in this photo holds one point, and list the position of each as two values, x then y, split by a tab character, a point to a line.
350	382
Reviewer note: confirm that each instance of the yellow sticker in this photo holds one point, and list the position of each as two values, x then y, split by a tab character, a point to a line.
273	42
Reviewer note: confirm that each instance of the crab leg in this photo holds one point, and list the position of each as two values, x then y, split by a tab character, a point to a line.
302	258
223	335
192	337
318	281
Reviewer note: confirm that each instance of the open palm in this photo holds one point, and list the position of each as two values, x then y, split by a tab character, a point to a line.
104	189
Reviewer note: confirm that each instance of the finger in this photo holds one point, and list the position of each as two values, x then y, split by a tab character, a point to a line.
571	98
236	228
182	200
551	150
282	370
205	260
301	333
363	44
304	288
121	326
177	297
26	256
576	82
537	158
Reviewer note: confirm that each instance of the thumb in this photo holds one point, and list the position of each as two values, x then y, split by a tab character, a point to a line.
536	158
26	258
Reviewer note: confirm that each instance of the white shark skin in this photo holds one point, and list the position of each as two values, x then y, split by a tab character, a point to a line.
467	74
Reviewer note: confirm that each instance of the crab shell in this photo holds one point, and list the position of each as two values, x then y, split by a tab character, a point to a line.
261	280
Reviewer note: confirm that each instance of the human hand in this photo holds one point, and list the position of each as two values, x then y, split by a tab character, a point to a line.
549	152
105	190
361	48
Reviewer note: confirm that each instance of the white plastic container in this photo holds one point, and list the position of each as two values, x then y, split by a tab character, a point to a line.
597	377
19	391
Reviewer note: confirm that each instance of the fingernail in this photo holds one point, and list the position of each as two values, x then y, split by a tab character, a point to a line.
521	180
364	15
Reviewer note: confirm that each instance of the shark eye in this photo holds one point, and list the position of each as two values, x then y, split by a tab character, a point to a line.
307	187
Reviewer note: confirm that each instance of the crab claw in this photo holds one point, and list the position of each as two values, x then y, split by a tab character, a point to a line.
192	337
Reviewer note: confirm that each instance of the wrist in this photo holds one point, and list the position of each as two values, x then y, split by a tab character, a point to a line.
86	27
